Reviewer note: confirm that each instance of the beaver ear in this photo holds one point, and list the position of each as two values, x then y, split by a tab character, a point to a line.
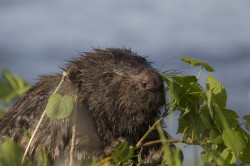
74	74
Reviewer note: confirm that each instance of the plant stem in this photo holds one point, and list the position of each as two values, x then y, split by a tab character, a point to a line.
139	143
72	148
40	121
104	160
32	137
170	141
199	74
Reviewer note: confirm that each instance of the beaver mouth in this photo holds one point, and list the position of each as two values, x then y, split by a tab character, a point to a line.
145	101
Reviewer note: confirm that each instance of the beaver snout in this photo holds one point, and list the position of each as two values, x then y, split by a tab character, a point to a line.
149	80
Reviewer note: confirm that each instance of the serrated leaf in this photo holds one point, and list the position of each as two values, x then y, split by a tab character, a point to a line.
248	126
206	157
229	114
59	107
247	117
182	124
205	116
216	94
123	153
225	118
181	79
215	137
235	140
217	90
246	153
199	127
128	163
186	92
226	157
10	153
197	62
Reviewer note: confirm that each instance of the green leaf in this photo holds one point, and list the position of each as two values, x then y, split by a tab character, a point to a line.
248	126
215	137
197	62
206	157
43	158
226	157
186	92
59	107
235	140
128	163
10	153
199	127
183	123
12	86
206	118
225	118
1	113
246	153
181	79
229	114
247	118
216	94
123	153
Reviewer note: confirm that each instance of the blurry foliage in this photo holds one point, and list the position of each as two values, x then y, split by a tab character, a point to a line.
204	120
11	88
10	153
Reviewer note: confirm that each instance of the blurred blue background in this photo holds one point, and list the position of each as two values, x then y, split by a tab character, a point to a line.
37	37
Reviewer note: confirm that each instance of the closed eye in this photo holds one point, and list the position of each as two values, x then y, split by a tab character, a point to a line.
108	75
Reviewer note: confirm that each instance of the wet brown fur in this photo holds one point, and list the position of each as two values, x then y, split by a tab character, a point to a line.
112	104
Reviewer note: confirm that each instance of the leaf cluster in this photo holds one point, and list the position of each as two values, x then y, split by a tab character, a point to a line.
204	119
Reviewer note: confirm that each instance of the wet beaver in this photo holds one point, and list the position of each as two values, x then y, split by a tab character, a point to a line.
120	94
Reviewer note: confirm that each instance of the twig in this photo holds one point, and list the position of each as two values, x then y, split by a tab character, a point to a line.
171	141
180	140
104	160
242	123
72	148
183	134
151	128
32	137
39	123
162	140
139	143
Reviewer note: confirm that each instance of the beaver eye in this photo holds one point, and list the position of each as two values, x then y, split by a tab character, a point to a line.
108	75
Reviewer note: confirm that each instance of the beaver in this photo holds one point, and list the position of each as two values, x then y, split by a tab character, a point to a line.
120	95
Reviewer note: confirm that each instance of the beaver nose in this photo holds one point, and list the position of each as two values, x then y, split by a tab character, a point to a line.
149	80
